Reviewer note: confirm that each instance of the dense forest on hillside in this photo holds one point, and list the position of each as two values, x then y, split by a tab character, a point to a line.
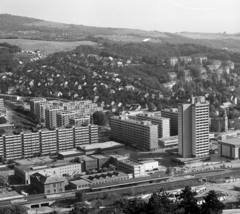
7	62
156	52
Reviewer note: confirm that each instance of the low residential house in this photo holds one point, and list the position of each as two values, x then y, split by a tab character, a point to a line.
200	59
204	76
129	88
188	79
173	61
169	85
185	59
119	64
230	64
217	63
46	183
226	69
202	70
186	72
219	71
172	75
212	68
57	94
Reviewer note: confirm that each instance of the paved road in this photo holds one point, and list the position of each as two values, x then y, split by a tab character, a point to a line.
32	199
42	198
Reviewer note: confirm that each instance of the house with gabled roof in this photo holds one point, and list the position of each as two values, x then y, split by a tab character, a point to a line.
47	183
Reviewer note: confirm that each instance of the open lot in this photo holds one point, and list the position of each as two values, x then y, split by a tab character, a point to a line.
46	47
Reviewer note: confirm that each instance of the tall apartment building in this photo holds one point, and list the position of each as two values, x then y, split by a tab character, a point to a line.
193	128
163	123
34	102
58	113
46	142
173	115
63	118
1	105
80	120
143	134
51	116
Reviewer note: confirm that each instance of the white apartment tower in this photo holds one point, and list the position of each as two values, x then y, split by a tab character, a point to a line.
193	128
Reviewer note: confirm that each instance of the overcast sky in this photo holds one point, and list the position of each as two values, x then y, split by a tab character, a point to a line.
161	15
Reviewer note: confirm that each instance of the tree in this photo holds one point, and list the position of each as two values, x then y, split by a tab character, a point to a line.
4	179
132	206
160	203
2	131
169	171
211	204
188	201
151	107
99	118
80	208
13	209
3	120
79	196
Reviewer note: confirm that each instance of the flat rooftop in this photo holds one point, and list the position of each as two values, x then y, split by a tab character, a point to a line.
148	161
99	156
6	124
34	161
105	145
80	182
70	152
5	193
131	162
169	138
232	141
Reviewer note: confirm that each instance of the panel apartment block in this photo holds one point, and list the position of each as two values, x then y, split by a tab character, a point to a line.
93	133
13	147
163	123
173	115
193	128
48	142
81	135
51	116
142	134
1	147
31	144
65	139
1	105
34	102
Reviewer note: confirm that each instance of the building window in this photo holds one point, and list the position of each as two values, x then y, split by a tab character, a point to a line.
54	185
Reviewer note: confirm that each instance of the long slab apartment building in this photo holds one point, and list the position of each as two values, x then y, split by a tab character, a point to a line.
143	134
45	142
58	113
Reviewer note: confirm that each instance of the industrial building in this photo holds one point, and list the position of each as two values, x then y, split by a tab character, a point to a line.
229	148
133	167
24	172
101	178
163	123
10	97
58	113
172	114
45	183
142	134
102	161
193	128
237	124
96	148
45	142
149	165
170	141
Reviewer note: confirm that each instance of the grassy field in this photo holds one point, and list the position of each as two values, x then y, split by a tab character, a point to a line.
46	47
